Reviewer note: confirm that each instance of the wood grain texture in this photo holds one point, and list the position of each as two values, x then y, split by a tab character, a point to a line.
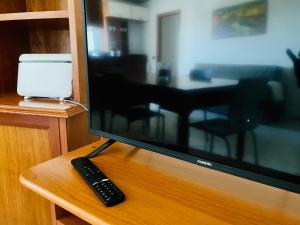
60	212
54	137
13	43
26	140
63	135
105	25
74	133
11	6
34	15
53	213
47	32
22	148
71	220
161	190
78	133
50	37
10	103
37	122
78	51
43	29
46	5
41	138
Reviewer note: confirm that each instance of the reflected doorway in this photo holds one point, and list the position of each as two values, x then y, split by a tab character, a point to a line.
168	35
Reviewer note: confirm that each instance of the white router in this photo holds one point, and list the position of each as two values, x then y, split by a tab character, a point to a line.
45	75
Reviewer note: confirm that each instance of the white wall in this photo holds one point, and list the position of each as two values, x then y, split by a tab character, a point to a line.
197	45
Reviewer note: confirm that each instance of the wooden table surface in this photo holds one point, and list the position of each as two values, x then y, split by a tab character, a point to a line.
161	190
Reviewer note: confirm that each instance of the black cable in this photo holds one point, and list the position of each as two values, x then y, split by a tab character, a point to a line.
100	149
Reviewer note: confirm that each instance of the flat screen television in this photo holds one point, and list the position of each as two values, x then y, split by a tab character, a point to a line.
207	81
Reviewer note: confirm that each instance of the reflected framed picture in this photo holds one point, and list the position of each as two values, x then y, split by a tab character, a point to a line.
245	19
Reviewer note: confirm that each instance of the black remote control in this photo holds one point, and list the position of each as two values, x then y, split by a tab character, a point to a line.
108	192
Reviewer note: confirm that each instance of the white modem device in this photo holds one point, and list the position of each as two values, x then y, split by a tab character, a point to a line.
45	75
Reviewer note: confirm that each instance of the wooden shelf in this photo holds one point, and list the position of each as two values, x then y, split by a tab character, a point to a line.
71	220
14	104
37	130
61	14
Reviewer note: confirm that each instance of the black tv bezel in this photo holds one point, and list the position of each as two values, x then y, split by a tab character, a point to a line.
270	179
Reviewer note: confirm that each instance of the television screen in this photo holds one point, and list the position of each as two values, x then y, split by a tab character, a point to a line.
210	82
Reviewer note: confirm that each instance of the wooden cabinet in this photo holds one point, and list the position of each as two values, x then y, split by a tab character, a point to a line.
40	26
118	35
29	136
33	26
126	11
119	10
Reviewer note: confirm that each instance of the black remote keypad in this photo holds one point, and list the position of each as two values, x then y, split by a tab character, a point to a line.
109	193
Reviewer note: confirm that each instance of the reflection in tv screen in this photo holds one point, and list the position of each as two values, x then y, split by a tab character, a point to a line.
204	81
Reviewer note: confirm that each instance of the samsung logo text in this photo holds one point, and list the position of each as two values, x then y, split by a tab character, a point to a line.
204	163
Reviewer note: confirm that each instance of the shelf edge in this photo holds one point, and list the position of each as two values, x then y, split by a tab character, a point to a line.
60	14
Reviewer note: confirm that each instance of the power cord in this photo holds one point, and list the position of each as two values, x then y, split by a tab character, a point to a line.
70	100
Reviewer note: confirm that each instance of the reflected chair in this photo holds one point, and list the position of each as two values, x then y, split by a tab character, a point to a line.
200	75
296	62
245	113
139	113
206	76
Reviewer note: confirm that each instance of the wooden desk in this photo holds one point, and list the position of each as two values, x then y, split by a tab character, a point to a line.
159	190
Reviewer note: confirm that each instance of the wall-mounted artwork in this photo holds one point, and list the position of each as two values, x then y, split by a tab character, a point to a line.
240	20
